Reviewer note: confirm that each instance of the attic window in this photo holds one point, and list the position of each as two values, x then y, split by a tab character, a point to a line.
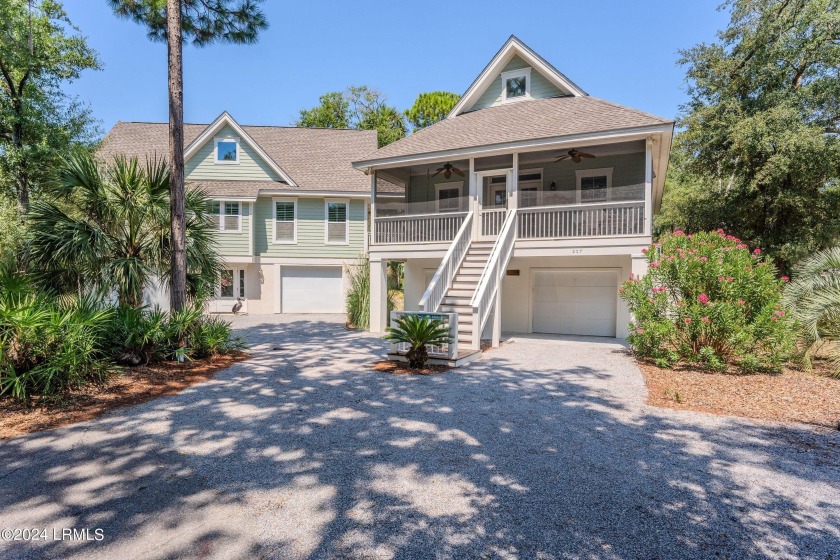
516	84
227	150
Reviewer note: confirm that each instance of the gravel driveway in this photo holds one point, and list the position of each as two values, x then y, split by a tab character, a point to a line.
540	449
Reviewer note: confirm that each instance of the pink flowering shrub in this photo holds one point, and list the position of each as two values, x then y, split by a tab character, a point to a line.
707	299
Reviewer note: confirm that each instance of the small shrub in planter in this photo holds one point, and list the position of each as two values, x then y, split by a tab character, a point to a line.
709	300
418	331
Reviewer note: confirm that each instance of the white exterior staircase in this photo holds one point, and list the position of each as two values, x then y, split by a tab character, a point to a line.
464	284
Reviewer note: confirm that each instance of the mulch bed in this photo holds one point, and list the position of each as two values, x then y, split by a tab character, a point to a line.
792	396
126	387
401	368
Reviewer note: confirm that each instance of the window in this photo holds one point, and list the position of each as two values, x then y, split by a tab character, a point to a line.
593	185
449	196
226	215
227	150
516	84
336	221
285	221
232	283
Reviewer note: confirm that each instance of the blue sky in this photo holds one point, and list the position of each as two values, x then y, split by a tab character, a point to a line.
621	51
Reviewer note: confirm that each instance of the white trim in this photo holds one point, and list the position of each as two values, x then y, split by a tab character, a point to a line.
317	194
447	186
601	172
226	119
520	73
216	141
327	202
274	239
511	48
232	198
252	228
557	142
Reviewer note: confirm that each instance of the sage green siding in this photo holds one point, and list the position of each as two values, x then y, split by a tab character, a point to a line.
236	243
540	86
251	166
311	228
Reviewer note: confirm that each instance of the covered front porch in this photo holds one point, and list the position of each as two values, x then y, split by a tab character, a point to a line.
567	193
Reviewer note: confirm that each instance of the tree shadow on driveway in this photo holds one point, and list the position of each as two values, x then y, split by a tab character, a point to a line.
531	452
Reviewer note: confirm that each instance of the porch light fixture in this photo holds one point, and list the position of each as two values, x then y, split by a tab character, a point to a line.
553	186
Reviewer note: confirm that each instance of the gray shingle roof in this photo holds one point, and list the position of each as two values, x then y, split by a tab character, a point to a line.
317	159
518	122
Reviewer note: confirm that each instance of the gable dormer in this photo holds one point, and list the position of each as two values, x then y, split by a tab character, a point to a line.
225	151
515	74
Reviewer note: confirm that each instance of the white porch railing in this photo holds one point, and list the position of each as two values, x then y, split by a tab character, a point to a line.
418	228
582	220
491	277
442	279
448	351
491	221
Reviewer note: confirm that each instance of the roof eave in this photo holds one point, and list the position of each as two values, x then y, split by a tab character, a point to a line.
607	136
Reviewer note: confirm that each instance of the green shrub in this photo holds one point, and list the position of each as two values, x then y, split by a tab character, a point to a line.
708	300
143	336
358	294
418	331
212	336
47	345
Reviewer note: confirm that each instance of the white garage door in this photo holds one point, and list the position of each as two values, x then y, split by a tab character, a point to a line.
312	289
574	302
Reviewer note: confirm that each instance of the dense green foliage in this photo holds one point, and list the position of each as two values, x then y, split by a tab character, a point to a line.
813	297
759	151
40	52
12	230
418	331
143	336
202	21
111	231
51	344
430	108
707	299
48	345
359	107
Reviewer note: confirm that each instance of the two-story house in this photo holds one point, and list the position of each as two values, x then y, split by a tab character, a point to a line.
523	209
291	211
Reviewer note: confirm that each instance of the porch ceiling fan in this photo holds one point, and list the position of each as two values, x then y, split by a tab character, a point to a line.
447	170
575	155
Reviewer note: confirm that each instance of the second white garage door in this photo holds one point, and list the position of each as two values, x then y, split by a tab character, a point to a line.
574	302
312	289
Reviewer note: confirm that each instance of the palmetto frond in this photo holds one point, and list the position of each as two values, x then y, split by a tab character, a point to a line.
418	331
112	234
813	298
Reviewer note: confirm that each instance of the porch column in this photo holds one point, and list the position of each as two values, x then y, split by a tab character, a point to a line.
372	209
648	186
497	318
513	195
474	207
378	295
278	288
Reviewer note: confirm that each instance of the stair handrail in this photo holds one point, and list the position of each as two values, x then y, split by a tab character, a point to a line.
445	273
491	276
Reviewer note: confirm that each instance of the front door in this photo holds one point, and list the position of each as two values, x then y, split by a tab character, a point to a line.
493	203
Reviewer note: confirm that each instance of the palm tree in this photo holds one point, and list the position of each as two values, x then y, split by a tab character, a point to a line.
205	22
418	331
110	233
814	302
